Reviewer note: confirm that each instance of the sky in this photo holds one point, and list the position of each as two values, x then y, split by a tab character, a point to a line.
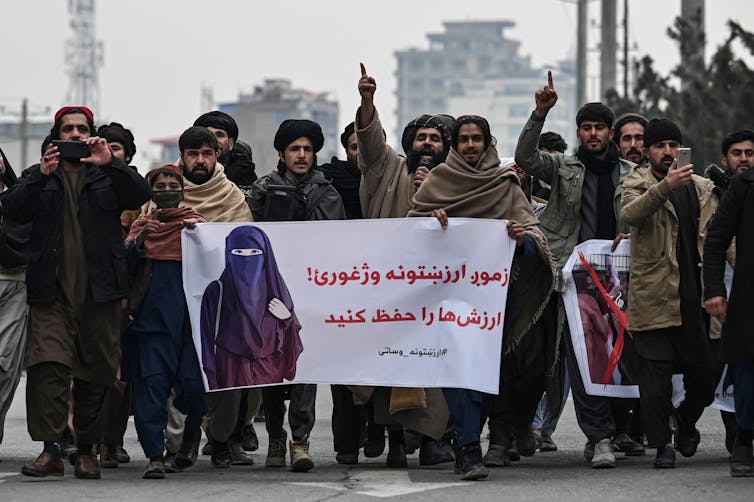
158	53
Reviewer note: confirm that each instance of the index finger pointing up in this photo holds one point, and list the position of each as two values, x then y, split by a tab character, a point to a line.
363	70
549	80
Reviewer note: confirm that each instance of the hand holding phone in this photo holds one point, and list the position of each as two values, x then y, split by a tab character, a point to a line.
684	157
72	150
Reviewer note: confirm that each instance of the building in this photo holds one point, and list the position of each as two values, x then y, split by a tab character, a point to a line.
260	112
472	68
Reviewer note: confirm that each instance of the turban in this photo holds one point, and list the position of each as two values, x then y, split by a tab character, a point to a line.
443	123
116	133
74	109
219	120
168	168
595	112
292	129
661	129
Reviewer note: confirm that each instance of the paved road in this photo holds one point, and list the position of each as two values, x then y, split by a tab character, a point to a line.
560	476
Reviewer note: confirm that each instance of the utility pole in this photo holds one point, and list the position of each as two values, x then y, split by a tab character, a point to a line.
581	8
608	46
625	49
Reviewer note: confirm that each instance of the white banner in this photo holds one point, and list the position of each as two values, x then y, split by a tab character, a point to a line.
394	302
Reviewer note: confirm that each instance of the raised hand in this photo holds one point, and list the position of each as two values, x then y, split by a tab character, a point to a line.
100	154
367	85
49	162
278	309
545	98
679	176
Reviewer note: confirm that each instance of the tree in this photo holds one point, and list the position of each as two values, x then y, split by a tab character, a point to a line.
712	99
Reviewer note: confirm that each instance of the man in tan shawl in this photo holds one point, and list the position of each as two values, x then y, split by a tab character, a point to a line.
472	184
389	181
210	193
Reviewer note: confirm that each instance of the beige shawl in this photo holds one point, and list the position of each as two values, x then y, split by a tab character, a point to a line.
386	185
488	190
218	200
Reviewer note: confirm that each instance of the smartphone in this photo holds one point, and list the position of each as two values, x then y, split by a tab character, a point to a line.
684	157
72	150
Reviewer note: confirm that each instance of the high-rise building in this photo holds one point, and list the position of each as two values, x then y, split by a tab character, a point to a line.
472	68
259	113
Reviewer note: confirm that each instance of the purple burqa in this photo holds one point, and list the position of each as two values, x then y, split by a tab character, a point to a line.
243	343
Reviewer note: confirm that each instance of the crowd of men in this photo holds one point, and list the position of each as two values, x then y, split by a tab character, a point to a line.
92	303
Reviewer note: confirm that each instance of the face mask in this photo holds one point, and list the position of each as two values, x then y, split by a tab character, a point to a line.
167	198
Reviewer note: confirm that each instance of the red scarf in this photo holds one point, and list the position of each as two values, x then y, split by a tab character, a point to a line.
165	243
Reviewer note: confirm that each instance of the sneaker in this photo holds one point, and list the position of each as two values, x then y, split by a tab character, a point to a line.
665	457
471	467
742	461
300	459
603	457
276	451
155	470
547	444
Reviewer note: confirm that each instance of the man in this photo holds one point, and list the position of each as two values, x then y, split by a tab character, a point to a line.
158	351
236	158
391	180
471	183
235	155
668	208
13	238
76	279
733	219
121	143
583	204
297	143
345	175
738	156
209	192
629	137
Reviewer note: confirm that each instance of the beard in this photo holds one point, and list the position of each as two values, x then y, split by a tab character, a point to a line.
414	159
660	166
200	177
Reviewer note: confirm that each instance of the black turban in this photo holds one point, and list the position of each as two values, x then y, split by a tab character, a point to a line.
116	133
443	123
219	120
661	129
292	129
350	128
595	112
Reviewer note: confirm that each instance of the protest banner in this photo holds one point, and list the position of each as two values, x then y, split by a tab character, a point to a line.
395	302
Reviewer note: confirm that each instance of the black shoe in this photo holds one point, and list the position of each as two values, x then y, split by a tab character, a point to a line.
396	456
687	441
189	449
237	455
526	444
742	461
249	439
374	446
665	458
513	454
349	458
471	467
220	455
432	452
624	443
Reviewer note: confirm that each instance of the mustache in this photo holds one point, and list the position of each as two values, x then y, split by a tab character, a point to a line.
668	158
634	151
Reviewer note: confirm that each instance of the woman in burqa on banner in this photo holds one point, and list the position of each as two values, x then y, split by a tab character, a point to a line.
250	333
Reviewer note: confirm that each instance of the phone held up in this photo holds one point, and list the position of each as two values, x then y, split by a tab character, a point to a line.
72	150
684	157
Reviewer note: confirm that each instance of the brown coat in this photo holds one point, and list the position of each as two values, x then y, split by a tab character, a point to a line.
653	298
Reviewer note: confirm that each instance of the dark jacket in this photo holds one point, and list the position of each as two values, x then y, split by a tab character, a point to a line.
239	166
320	198
39	199
346	179
733	219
